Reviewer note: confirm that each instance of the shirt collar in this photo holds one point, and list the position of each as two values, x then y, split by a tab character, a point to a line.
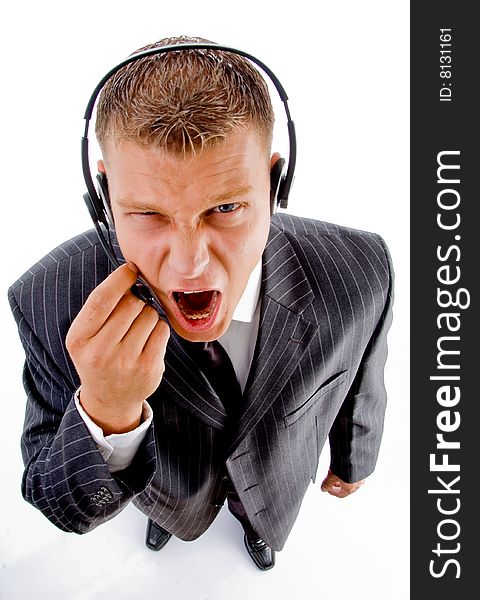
249	300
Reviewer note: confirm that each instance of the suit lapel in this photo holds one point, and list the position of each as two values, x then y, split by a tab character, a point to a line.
283	336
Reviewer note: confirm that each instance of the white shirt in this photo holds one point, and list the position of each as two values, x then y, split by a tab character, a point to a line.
118	449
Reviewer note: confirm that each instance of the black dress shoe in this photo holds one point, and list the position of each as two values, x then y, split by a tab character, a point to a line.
157	537
262	555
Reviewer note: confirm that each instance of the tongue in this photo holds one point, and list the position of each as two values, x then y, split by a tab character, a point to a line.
197	302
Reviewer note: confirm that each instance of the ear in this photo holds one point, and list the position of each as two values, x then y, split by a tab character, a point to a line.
101	166
273	160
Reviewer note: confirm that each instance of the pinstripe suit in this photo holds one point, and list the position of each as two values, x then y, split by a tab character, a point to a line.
317	371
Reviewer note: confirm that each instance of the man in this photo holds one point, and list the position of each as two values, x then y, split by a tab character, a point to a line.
131	403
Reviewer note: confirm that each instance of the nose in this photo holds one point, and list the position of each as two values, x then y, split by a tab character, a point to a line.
188	254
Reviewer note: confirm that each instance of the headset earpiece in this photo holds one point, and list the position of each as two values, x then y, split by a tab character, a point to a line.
277	176
104	199
99	204
93	207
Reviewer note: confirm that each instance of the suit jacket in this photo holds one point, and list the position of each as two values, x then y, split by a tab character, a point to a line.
317	370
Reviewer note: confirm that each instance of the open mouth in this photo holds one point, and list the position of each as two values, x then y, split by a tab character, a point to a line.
196	305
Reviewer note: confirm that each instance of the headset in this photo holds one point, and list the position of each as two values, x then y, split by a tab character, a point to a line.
97	199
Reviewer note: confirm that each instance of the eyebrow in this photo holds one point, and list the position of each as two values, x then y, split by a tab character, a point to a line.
215	200
241	191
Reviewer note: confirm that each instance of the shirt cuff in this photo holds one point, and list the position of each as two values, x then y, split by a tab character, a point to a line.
117	449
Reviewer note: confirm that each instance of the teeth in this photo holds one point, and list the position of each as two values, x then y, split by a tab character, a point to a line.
194	316
197	315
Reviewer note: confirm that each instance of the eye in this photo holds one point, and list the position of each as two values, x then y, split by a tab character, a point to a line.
226	208
148	217
146	213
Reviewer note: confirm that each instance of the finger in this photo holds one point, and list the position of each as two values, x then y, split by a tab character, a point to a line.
140	330
120	320
329	481
103	300
331	488
339	491
156	345
336	490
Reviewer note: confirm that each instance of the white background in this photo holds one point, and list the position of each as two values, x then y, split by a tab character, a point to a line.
345	68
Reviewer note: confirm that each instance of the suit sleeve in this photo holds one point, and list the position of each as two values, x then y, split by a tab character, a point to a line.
357	431
65	476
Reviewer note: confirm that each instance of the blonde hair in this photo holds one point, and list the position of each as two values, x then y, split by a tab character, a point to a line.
184	101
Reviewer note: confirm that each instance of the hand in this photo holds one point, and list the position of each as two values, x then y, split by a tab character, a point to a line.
117	344
336	487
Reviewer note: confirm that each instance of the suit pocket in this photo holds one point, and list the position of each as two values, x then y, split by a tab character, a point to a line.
326	387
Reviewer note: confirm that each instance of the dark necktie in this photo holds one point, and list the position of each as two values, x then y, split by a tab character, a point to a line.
214	362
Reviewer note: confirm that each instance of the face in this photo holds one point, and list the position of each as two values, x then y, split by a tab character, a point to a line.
194	226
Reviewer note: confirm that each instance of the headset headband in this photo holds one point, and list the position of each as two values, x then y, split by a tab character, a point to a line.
286	182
